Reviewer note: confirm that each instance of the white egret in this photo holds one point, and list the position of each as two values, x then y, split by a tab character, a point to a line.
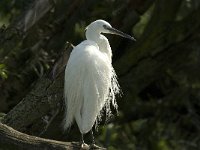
90	80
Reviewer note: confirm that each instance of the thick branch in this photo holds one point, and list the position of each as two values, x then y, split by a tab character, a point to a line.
12	139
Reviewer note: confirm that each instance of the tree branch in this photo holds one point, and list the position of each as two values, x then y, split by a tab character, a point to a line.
12	139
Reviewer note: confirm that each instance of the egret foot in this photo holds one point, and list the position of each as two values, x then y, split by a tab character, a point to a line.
94	146
84	146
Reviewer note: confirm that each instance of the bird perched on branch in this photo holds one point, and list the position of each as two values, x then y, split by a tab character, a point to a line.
90	80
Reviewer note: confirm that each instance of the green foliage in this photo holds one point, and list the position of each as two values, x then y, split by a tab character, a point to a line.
9	9
140	26
3	71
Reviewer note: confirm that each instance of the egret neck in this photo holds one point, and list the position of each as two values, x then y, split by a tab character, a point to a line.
95	35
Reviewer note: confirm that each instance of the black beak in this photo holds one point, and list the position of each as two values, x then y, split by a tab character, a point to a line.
117	32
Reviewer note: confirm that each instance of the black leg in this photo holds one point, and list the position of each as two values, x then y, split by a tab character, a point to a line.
83	145
92	136
93	145
82	139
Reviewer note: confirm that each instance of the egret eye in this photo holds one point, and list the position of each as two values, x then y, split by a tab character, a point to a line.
105	26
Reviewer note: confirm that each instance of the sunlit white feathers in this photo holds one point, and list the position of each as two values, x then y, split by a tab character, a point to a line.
90	80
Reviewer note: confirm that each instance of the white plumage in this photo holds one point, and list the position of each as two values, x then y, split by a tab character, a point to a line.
90	80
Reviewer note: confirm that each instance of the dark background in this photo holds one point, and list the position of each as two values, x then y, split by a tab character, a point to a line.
159	73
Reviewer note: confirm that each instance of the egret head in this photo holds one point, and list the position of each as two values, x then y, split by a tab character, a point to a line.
102	26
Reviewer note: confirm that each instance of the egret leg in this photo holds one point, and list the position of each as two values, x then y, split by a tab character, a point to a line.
83	144
92	137
93	145
82	139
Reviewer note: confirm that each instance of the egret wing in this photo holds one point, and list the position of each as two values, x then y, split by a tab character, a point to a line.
88	84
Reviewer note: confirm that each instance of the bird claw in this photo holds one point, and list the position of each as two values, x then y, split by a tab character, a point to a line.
84	146
94	146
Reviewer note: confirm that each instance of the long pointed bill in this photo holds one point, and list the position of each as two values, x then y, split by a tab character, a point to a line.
117	32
